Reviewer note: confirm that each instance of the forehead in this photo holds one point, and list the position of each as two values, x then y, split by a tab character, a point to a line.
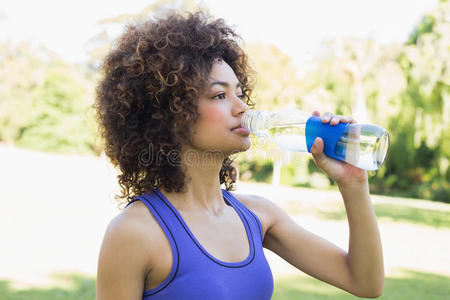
221	71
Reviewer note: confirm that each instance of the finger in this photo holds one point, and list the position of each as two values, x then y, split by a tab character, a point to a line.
335	120
317	151
316	113
327	117
317	147
341	119
347	119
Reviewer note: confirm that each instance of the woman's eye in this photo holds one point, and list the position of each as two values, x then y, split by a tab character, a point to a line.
222	96
219	96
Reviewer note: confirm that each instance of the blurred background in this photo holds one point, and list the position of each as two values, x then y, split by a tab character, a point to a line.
383	62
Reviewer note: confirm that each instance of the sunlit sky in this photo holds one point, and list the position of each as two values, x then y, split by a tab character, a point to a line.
295	27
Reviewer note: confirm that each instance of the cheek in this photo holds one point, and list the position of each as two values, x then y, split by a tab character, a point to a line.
213	115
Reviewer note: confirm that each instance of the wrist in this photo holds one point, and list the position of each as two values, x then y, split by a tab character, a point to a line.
358	177
360	185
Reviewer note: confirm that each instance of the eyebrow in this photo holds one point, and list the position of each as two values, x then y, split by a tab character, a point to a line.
223	83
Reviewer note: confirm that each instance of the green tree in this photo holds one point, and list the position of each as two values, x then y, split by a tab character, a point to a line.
59	119
44	102
22	70
424	122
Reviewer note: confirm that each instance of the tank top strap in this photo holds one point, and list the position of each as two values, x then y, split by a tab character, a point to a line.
160	210
165	219
251	218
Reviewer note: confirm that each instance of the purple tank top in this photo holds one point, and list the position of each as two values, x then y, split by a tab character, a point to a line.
196	274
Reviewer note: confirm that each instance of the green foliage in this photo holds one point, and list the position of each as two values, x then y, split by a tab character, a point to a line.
58	121
22	71
256	171
425	26
419	154
45	103
288	173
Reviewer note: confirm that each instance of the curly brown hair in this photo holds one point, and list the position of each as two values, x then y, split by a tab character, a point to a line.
147	97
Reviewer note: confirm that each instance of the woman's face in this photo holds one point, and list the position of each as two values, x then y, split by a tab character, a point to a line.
220	110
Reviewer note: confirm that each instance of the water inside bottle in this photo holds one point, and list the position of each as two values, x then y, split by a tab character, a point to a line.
365	149
289	136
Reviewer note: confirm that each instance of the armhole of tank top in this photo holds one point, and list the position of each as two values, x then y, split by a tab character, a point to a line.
242	206
173	247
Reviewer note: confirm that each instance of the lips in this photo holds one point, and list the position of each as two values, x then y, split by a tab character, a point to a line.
237	126
241	130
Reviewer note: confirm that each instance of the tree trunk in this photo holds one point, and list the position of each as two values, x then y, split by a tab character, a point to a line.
277	164
359	108
444	163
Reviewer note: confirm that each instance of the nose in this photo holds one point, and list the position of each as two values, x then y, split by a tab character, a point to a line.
239	106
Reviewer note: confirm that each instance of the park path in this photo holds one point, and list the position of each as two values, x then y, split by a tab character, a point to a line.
55	209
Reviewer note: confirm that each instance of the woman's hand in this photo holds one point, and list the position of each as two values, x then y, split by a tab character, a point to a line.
341	172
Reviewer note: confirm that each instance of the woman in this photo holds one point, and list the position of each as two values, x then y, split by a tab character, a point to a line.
169	105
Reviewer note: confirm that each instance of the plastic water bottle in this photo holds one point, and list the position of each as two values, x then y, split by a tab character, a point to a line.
362	145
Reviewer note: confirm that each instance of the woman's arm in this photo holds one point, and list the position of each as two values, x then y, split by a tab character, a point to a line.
361	270
365	255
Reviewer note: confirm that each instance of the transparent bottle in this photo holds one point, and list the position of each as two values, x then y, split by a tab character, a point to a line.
362	145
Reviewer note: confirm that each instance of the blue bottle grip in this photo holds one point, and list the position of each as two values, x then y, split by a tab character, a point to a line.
330	135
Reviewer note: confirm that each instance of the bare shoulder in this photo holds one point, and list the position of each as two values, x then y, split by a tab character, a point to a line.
128	253
266	210
253	201
136	225
129	222
131	232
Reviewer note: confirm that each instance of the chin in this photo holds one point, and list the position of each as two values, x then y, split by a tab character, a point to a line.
242	148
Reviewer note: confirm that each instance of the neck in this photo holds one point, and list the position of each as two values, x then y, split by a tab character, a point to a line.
203	190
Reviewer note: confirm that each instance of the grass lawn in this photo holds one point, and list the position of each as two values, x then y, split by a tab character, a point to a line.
406	285
397	213
67	287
